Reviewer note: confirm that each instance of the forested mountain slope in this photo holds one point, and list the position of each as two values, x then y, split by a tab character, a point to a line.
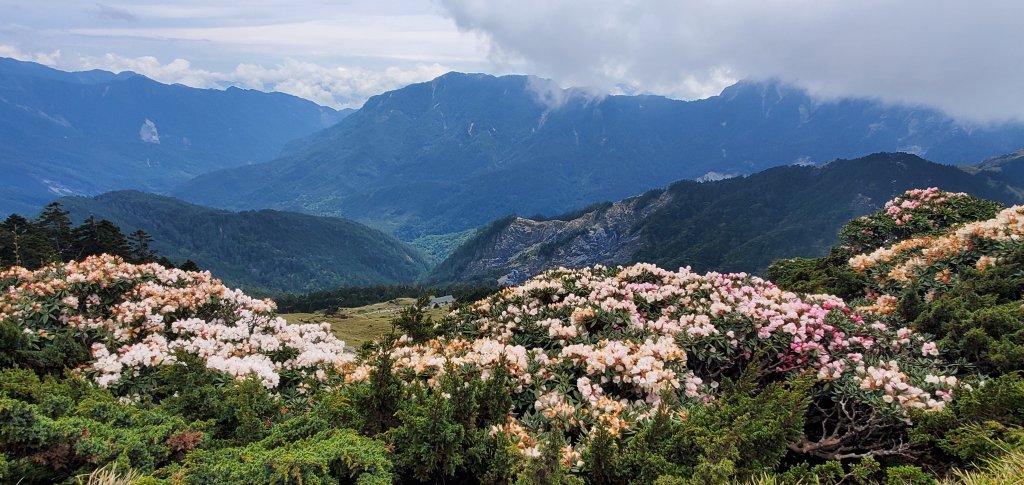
83	133
739	224
265	249
453	153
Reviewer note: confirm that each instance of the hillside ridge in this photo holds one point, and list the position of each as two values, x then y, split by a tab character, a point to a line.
264	249
737	224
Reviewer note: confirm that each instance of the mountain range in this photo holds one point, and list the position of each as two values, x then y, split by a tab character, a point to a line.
738	224
265	249
456	152
1009	167
83	133
443	164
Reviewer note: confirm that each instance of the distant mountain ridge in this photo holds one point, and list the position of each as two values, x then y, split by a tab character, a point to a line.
1009	167
83	133
453	153
263	249
738	224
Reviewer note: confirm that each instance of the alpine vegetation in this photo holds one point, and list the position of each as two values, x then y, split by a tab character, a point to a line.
628	374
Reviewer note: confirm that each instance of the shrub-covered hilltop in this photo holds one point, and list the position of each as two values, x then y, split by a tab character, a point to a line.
599	375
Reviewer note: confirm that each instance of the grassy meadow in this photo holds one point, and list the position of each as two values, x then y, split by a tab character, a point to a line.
359	325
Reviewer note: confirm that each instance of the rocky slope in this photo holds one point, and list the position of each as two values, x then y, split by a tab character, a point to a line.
739	224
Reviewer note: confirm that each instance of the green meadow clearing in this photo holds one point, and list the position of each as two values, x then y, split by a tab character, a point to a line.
359	325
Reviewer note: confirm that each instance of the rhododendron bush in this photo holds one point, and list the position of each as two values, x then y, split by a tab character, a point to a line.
133	318
917	212
634	374
933	262
601	347
965	285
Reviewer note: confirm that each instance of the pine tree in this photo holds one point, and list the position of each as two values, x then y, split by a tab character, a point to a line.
138	243
415	322
54	223
23	244
99	237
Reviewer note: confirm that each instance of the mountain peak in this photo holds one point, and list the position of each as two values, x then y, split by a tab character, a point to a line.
79	132
772	87
450	154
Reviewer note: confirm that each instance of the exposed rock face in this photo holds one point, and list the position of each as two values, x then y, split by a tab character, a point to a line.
607	234
739	224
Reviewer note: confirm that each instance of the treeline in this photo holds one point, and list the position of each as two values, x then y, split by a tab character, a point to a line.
330	301
51	238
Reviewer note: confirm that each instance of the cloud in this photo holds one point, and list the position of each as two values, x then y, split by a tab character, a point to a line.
963	57
44	58
554	96
178	71
410	41
107	12
338	87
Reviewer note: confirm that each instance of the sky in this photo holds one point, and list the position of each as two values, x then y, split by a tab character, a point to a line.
959	56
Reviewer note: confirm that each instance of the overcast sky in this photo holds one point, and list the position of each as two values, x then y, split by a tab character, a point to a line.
962	56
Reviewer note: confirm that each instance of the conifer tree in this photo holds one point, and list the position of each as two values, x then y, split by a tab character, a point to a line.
23	244
55	225
98	237
138	243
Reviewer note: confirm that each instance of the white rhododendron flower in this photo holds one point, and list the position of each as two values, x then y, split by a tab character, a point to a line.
161	312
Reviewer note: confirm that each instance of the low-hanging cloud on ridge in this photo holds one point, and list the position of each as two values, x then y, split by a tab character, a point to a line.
962	57
338	86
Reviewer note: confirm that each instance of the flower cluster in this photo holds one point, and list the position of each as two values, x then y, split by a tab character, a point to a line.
901	208
138	317
933	260
881	305
601	347
915	213
888	378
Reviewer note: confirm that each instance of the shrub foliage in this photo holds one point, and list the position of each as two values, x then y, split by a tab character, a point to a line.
626	375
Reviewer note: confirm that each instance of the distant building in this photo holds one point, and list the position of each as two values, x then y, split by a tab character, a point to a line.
441	301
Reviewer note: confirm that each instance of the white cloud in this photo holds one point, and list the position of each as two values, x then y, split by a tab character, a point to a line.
335	53
338	87
44	58
334	86
963	57
177	71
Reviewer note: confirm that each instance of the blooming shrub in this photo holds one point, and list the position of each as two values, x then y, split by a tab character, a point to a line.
600	347
930	200
918	212
134	318
933	262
